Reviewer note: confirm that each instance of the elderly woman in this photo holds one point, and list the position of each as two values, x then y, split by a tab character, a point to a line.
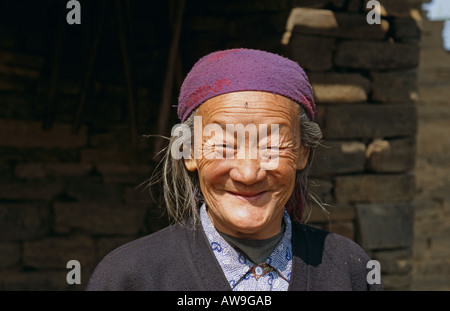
237	196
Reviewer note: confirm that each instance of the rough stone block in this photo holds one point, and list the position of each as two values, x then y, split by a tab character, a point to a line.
319	3
15	155
385	226
394	261
23	134
99	218
375	55
431	283
44	170
318	58
10	254
339	88
369	121
432	147
23	221
243	26
20	104
122	173
434	93
397	8
35	280
320	116
103	156
346	229
337	157
11	85
334	214
252	7
30	190
406	29
338	25
397	282
434	58
310	18
138	194
30	171
354	6
116	138
397	86
433	268
20	65
73	169
374	188
392	156
64	87
321	189
93	189
205	23
55	252
15	59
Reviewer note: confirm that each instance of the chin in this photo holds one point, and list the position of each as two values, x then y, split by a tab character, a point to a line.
247	230
250	219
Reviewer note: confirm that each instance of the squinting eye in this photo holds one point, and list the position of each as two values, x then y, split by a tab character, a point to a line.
226	146
269	153
272	149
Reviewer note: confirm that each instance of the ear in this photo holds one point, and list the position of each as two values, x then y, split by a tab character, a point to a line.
191	164
303	157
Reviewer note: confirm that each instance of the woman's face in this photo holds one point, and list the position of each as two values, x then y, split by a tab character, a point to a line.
244	195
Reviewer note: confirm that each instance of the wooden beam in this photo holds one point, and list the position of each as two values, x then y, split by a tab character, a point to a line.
166	103
127	71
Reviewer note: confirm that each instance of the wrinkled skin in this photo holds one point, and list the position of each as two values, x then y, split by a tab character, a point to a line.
243	199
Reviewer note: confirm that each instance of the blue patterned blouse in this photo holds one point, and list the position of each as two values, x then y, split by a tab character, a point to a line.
242	274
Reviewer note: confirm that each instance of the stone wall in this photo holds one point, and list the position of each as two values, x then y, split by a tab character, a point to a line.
68	193
365	83
432	201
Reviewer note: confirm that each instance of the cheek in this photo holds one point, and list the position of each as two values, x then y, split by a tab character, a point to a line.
212	171
285	174
288	160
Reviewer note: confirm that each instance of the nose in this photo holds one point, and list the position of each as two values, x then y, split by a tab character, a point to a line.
247	171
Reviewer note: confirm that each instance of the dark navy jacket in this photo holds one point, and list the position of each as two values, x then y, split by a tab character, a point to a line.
179	258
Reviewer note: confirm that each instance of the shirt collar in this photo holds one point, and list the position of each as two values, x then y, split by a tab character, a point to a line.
235	265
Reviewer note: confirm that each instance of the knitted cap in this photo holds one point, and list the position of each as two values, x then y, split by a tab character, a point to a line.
237	70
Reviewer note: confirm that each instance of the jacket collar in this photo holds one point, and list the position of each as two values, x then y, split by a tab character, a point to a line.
207	265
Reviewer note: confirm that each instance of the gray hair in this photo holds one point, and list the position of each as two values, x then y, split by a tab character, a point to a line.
181	188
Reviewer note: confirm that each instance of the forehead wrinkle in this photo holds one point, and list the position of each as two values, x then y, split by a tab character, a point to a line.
222	115
240	99
262	108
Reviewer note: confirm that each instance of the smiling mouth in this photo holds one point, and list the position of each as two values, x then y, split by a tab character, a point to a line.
247	195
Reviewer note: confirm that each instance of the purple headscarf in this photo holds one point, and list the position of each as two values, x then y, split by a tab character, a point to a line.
237	70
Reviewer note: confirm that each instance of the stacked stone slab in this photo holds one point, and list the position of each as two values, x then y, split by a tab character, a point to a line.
432	201
364	78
